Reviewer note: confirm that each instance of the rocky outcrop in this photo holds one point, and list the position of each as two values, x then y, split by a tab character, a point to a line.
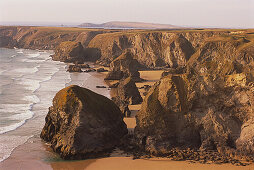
124	66
185	111
69	52
127	93
210	106
151	48
74	68
82	124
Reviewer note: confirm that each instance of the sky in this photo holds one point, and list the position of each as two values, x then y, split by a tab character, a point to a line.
198	13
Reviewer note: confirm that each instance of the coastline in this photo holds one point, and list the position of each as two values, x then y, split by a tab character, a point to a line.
36	154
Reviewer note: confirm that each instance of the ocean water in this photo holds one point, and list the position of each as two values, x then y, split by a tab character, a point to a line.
29	80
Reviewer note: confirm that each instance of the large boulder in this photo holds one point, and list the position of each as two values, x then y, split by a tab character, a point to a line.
69	51
82	124
124	66
191	110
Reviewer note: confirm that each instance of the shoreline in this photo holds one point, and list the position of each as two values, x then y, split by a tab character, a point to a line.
35	153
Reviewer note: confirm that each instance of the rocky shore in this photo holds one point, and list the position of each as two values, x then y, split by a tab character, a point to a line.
200	109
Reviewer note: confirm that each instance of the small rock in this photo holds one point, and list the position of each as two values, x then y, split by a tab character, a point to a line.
101	87
99	70
90	70
84	65
74	68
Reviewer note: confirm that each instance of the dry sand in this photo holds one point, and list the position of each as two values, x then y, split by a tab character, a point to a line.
35	154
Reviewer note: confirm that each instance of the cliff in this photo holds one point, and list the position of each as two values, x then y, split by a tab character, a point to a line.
151	48
208	106
47	38
69	51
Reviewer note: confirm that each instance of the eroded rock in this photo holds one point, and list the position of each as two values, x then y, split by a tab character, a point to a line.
194	111
74	68
127	93
82	124
69	51
124	66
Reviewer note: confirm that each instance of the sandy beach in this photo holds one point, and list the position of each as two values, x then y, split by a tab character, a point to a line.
35	154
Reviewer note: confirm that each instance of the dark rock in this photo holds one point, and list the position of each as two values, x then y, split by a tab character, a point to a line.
127	112
127	92
84	65
74	68
101	70
171	71
79	62
89	70
101	87
82	124
145	87
114	85
114	75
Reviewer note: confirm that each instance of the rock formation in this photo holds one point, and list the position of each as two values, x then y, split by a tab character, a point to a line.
149	48
69	52
209	107
82	124
185	111
74	68
124	66
127	93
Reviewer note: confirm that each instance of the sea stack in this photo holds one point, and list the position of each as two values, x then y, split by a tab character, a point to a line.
126	93
82	124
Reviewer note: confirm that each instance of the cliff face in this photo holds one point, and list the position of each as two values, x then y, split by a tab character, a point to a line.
69	51
193	111
151	49
47	38
210	105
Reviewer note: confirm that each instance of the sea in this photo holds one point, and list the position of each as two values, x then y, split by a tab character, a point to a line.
29	80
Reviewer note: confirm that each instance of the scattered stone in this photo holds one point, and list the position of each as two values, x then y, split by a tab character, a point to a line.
84	65
89	70
74	68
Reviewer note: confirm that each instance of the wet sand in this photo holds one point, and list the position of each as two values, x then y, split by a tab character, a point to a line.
35	154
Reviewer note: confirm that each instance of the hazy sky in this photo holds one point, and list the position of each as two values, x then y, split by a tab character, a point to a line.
220	13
